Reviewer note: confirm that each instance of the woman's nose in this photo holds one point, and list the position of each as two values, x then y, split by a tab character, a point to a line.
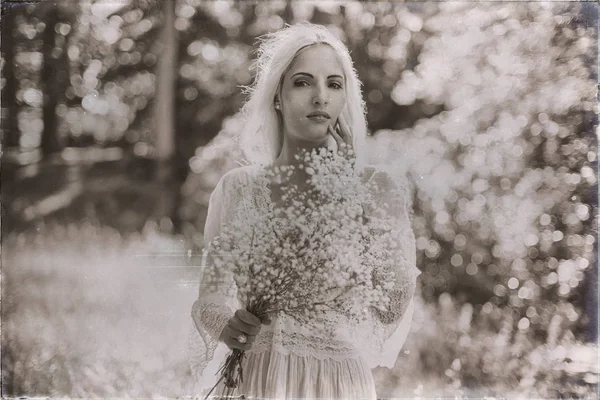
320	97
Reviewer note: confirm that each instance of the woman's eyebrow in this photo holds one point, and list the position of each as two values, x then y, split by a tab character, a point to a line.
311	76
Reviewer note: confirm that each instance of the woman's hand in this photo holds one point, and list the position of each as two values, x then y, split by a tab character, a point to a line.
343	138
242	323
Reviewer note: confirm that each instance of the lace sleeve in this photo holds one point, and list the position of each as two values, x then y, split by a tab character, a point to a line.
216	301
391	327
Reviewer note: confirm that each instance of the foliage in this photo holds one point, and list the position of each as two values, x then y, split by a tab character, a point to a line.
476	353
502	214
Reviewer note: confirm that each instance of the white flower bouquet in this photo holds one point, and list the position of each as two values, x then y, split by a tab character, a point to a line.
317	254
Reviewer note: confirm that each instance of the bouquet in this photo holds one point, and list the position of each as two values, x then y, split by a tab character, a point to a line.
318	253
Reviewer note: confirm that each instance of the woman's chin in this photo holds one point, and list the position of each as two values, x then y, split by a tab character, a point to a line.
319	135
311	136
314	138
320	141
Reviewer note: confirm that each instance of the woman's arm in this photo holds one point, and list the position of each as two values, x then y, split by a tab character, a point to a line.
400	297
215	323
394	198
216	301
211	316
391	327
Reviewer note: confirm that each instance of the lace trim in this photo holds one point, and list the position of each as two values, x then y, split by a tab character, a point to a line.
213	317
263	200
302	346
399	296
208	321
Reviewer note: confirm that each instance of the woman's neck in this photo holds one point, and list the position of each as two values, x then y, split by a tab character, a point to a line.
291	147
287	157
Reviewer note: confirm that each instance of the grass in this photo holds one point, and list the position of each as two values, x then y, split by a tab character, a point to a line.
83	316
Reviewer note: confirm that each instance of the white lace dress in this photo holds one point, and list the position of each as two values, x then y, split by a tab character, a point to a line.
288	360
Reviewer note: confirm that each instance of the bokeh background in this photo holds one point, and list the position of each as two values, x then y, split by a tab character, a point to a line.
119	117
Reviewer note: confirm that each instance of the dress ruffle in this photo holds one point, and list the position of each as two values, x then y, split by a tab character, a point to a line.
272	375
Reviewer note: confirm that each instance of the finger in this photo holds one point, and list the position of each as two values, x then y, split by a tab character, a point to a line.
235	334
348	145
243	327
346	135
247	317
234	344
345	131
231	339
250	338
336	136
343	147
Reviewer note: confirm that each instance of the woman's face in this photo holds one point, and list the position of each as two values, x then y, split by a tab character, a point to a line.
314	83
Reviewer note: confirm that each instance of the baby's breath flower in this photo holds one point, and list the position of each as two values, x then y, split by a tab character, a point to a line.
318	245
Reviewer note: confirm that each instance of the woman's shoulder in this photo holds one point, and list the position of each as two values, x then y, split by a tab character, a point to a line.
241	175
382	174
368	171
387	178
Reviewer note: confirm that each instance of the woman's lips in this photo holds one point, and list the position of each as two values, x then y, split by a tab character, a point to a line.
319	118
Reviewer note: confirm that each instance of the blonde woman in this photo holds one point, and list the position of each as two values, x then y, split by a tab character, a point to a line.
306	95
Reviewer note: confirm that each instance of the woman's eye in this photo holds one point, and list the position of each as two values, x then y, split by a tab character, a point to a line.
335	85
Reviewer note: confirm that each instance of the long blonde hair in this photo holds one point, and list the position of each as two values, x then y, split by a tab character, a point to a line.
260	138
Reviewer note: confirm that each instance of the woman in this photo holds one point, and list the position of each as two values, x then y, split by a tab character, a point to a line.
306	95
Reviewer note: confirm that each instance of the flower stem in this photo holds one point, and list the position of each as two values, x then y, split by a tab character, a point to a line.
231	372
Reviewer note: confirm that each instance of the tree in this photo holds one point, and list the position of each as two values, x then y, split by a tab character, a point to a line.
503	171
58	18
50	142
165	99
164	118
9	91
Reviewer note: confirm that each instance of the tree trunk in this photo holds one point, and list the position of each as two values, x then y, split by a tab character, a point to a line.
10	134
51	86
167	172
165	98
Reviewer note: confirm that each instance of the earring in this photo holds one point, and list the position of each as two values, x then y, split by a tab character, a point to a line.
277	106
